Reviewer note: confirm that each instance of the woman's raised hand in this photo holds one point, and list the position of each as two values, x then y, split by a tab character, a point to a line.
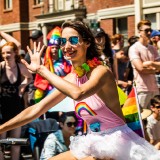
35	57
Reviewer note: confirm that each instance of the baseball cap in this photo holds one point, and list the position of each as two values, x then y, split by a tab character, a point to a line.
155	33
98	32
36	34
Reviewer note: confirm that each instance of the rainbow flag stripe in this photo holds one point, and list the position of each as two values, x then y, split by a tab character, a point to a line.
83	106
131	113
54	33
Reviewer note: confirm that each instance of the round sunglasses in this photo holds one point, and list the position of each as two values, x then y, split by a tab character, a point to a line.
73	40
70	124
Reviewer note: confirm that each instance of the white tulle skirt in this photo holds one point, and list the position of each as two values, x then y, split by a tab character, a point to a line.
119	143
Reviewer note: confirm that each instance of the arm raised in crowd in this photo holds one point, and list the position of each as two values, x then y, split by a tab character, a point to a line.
9	38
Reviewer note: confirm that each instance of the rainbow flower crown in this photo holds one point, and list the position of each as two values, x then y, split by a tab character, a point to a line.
81	70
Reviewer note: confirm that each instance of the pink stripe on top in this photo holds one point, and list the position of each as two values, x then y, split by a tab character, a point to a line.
93	110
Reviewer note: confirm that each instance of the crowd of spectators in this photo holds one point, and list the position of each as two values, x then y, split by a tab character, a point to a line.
136	62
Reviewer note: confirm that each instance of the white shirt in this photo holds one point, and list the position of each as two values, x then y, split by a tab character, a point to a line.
153	128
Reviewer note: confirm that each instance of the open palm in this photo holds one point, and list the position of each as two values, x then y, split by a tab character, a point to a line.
35	57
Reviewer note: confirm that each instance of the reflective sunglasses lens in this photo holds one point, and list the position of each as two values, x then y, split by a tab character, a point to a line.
63	41
73	40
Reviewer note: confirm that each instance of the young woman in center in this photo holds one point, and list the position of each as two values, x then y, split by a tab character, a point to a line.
93	88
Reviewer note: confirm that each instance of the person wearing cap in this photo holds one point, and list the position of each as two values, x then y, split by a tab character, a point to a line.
155	39
102	40
153	122
36	36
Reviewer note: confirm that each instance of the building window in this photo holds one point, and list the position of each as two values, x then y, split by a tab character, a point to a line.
36	2
122	25
69	4
152	18
8	4
60	5
121	28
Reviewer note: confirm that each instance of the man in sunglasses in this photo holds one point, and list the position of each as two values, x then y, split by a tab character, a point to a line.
59	141
153	122
139	53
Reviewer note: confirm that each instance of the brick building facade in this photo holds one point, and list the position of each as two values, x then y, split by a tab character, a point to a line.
19	17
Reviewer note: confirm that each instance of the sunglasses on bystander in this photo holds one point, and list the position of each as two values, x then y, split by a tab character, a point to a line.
70	124
158	107
147	30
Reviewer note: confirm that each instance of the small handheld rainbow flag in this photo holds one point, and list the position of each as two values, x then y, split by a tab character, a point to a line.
132	114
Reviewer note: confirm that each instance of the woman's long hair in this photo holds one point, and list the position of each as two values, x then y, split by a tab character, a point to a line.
87	36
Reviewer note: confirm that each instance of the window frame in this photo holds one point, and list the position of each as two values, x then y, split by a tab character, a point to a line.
8	4
123	32
37	2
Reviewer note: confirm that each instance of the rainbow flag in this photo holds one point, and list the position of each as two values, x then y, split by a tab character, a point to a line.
131	112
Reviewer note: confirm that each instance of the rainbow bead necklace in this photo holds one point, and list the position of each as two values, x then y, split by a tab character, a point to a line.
82	70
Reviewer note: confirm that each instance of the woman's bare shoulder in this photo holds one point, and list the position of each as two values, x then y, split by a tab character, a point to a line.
102	70
98	68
